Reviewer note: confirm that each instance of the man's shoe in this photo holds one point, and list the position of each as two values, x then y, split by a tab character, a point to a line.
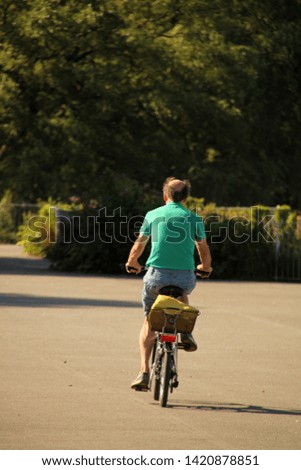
188	342
141	382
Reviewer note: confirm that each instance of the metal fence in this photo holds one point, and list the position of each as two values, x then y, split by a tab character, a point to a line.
288	256
11	217
19	210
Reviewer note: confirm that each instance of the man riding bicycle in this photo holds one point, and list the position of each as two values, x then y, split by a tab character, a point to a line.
174	231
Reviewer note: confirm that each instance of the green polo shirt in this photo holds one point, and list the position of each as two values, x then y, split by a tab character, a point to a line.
173	230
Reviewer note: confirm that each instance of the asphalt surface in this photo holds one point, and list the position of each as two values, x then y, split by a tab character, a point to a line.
69	351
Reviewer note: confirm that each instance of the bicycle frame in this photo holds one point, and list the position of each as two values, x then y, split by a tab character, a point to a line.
164	365
165	323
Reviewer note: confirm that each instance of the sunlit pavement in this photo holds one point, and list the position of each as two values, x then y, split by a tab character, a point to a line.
69	351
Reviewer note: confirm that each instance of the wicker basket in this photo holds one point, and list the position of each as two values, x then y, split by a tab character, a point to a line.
171	320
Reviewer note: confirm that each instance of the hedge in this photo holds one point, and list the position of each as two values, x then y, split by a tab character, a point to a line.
243	241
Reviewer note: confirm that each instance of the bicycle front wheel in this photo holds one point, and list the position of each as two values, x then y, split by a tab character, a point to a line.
165	378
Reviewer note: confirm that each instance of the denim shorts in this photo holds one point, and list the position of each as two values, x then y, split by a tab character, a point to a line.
156	278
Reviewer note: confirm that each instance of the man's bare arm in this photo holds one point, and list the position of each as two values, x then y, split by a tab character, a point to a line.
204	254
136	252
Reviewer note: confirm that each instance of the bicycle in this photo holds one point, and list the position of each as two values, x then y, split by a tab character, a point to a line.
171	319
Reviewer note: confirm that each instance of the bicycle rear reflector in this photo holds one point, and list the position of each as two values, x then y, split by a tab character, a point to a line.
168	338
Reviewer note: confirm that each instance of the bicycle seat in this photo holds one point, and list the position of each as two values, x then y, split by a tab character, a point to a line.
171	291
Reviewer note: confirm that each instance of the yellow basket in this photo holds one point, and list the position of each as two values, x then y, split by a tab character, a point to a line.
172	315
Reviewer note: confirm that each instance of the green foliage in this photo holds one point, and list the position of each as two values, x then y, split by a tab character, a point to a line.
243	241
144	89
39	231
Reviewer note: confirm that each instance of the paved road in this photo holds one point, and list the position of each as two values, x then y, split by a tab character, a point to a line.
68	353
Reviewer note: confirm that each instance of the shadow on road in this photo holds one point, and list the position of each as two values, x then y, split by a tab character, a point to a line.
233	407
26	265
21	300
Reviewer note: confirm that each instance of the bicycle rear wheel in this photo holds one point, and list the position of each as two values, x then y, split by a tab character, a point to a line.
157	389
156	371
165	378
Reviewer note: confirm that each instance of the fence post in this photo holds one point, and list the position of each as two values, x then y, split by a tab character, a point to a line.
277	250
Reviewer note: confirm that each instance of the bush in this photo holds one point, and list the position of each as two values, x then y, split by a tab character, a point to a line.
244	242
96	242
249	243
38	231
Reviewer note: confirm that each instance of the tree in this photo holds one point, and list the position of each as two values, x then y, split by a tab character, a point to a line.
94	90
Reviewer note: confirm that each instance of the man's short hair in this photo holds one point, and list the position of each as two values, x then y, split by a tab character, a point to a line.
177	195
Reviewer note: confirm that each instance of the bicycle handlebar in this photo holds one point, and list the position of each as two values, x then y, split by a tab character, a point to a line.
202	274
198	272
131	269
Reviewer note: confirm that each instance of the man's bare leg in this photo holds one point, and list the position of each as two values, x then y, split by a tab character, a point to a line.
187	338
184	298
146	341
